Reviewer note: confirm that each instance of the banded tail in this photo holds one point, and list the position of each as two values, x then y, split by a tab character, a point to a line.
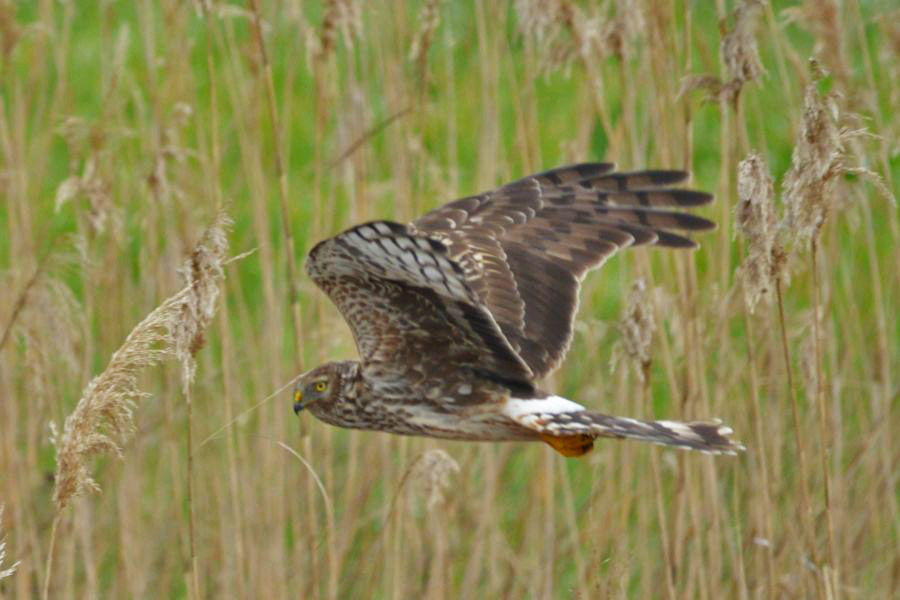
571	429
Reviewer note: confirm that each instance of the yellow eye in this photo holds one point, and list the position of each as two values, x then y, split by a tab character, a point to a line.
320	386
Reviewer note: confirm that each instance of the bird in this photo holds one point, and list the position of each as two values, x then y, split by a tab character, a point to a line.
458	315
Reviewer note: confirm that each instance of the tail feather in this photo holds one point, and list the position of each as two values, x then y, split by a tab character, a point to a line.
706	436
566	420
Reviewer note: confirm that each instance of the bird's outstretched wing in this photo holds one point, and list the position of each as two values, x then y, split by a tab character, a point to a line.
524	247
412	314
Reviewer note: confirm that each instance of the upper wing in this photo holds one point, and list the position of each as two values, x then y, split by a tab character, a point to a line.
525	246
409	306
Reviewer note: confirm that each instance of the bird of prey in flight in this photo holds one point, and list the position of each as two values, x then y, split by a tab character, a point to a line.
458	315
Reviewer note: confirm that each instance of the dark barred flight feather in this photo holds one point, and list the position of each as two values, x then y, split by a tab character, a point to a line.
525	246
460	313
402	295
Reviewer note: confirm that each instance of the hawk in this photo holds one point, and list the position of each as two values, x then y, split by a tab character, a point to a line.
458	315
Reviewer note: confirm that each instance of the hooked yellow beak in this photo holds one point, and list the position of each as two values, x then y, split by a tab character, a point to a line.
298	402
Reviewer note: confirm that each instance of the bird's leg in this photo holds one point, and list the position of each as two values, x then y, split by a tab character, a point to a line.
570	445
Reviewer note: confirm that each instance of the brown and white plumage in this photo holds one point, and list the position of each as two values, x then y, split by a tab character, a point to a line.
458	314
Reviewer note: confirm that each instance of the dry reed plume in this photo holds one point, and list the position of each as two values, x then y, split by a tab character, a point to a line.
429	19
739	53
8	571
637	327
340	17
820	158
431	475
202	273
102	419
563	31
755	219
739	50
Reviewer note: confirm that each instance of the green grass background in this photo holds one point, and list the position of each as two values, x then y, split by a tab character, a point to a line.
168	103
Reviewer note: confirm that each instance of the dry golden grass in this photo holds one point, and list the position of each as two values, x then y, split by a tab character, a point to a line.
125	128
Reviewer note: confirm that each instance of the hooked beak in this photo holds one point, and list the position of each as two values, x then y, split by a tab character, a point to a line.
298	402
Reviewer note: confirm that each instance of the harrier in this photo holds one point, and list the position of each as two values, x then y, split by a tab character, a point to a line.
459	314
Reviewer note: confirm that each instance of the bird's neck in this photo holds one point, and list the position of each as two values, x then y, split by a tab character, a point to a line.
353	383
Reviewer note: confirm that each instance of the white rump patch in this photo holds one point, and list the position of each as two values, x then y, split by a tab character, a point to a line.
525	411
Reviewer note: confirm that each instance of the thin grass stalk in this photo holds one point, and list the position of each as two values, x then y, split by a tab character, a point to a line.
572	522
202	272
698	579
329	506
884	146
237	520
824	419
760	451
688	130
215	145
805	505
594	75
217	195
547	482
48	570
293	292
669	566
381	537
194	577
883	367
281	174
321	60
743	586
697	356
728	155
22	299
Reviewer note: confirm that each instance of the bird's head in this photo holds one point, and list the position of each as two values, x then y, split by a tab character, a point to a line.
322	388
318	385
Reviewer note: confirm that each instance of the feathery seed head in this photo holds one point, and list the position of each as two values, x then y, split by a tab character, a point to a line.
10	31
820	157
739	54
563	32
537	19
431	476
755	220
817	160
429	19
49	326
202	272
618	34
341	16
739	50
4	573
823	19
637	327
102	419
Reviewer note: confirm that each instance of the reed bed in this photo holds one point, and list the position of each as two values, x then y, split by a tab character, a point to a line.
127	128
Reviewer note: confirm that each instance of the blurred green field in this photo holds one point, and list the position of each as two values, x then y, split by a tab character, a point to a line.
124	129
